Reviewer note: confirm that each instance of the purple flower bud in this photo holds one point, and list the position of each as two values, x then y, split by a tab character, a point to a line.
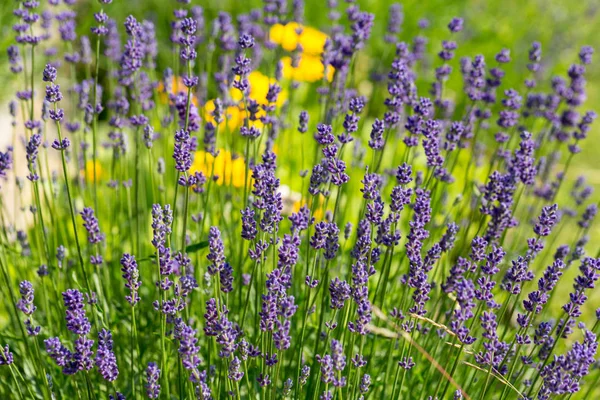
131	275
246	41
77	321
303	122
216	251
49	73
456	25
585	55
105	357
6	357
546	221
152	381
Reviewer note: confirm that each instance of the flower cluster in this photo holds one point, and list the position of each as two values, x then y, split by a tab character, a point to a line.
427	238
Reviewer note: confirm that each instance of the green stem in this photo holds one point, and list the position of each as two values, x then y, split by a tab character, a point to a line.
72	208
133	341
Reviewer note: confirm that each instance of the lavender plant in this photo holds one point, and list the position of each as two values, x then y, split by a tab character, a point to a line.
262	224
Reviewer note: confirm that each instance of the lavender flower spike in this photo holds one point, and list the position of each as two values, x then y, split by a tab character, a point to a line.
152	381
131	274
105	357
77	322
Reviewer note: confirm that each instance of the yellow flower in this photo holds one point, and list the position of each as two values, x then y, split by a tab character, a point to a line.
176	84
319	212
88	174
234	116
311	39
259	87
309	69
230	171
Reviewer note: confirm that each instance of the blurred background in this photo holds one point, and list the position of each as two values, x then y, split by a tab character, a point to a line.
561	26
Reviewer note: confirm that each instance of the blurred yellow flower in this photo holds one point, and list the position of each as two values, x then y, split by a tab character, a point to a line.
311	39
259	87
234	117
318	213
230	171
309	69
176	84
88	174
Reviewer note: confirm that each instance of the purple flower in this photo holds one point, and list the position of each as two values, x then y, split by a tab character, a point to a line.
327	373
226	278
188	348
588	275
53	94
182	151
303	122
32	150
90	223
585	54
162	218
337	355
281	336
362	23
6	357
82	357
248	224
131	275
263	380
449	237
546	221
494	348
456	25
211	318
5	162
376	142
152	381
105	357
133	54
516	275
25	304
49	73
60	354
77	322
301	220
340	292
14	59
395	20
61	145
404	174
267	197
324	135
246	41
304	375
563	374
216	251
588	216
319	237
365	383
234	372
